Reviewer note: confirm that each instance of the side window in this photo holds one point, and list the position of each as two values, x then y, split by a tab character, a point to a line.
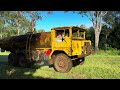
59	33
75	33
67	33
82	34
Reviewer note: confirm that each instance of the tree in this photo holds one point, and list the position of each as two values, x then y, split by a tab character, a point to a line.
41	30
90	35
15	16
82	26
105	32
96	18
18	22
4	18
32	17
112	19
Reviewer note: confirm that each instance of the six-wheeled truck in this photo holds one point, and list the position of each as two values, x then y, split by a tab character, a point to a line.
63	47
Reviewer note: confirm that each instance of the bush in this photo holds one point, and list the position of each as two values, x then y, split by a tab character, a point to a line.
110	51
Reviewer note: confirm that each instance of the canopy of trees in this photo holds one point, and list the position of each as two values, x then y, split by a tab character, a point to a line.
18	22
110	31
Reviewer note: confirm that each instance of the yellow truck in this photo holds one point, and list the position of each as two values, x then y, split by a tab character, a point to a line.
63	47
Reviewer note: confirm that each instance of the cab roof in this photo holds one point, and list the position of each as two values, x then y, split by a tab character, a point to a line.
68	27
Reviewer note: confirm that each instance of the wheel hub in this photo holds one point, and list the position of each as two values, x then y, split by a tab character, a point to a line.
61	64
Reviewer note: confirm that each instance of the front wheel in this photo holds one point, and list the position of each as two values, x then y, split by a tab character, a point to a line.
62	63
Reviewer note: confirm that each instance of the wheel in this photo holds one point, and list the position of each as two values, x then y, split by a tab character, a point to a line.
51	61
23	61
62	63
79	61
12	59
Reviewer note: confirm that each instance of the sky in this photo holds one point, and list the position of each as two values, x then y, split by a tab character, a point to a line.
60	18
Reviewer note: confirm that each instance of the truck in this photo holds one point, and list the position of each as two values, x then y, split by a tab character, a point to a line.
63	47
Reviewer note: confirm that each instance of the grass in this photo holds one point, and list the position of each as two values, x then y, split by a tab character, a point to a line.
4	53
98	66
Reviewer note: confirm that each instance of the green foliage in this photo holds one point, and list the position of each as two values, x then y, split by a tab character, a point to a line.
90	35
109	52
11	22
112	19
40	30
110	32
4	53
18	22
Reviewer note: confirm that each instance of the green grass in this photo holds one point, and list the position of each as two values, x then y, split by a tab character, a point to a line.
111	52
4	53
97	66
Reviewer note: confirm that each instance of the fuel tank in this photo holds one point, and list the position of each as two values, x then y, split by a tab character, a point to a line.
38	40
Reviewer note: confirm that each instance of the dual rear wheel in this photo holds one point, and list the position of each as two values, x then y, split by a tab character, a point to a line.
18	60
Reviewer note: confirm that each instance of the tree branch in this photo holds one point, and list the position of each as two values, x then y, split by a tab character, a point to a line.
100	25
87	16
97	14
104	13
92	18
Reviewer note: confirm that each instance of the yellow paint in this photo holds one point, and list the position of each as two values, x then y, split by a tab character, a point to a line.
68	45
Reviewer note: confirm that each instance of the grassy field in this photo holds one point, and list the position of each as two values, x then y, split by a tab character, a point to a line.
102	65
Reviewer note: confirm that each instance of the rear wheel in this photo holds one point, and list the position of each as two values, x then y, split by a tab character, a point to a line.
62	63
23	61
12	59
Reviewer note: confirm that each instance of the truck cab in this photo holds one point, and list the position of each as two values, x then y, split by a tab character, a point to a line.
69	42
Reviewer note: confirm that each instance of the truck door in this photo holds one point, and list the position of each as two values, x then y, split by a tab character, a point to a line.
62	40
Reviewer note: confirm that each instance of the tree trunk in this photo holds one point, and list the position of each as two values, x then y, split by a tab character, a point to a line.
1	34
18	31
17	22
97	34
106	42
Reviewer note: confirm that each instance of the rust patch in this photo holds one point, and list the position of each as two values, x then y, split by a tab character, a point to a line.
88	48
43	40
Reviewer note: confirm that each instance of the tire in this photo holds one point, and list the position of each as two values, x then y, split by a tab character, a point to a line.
62	63
79	61
23	61
12	59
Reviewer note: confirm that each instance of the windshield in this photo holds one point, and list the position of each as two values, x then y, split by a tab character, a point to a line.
78	34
